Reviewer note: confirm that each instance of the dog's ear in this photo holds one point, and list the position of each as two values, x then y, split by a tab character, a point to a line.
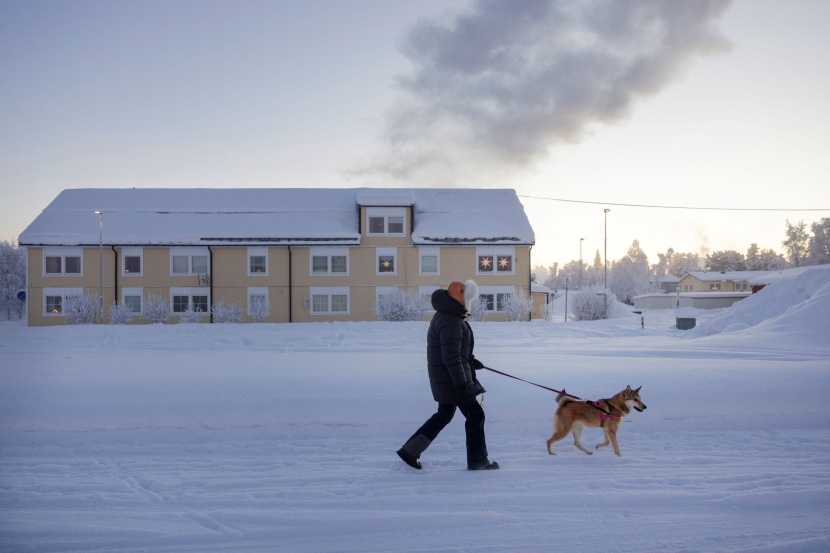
637	391
628	389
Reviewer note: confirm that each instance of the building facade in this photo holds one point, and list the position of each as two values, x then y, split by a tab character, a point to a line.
307	254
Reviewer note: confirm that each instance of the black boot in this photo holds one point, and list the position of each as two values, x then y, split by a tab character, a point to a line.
483	465
411	450
409	459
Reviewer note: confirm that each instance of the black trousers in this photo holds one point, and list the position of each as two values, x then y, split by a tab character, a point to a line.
473	427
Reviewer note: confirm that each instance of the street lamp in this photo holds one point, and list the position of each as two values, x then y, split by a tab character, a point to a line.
580	264
100	215
605	253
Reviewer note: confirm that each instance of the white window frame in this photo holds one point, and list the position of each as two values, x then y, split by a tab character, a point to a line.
132	252
257	252
256	291
189	292
386	213
64	294
424	251
498	293
190	253
132	292
328	292
496	252
63	253
386	252
328	253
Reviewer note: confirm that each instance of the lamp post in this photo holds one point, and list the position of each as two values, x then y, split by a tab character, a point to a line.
580	264
605	254
100	215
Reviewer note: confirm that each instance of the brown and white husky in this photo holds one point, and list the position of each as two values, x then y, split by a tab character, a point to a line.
572	415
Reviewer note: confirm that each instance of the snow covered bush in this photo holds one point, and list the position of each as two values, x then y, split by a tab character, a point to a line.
156	309
590	306
517	306
119	314
260	309
223	313
402	306
478	310
12	278
81	310
190	315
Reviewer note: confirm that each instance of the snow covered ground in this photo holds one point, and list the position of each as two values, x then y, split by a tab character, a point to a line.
282	437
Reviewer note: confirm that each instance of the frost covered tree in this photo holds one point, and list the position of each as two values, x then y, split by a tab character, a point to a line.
517	306
683	263
191	316
156	308
726	260
818	250
478	310
227	313
80	310
402	305
119	314
569	273
260	309
12	278
630	276
758	259
589	306
797	243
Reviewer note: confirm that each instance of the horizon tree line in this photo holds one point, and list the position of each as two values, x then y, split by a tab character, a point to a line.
633	275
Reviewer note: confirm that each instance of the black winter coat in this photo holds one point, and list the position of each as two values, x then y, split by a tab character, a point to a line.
449	348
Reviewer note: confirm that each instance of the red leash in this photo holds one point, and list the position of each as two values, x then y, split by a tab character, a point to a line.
563	392
603	414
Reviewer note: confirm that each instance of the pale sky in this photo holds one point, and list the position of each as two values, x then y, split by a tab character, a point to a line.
649	103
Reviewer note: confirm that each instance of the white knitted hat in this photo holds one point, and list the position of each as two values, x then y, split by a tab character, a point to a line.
470	293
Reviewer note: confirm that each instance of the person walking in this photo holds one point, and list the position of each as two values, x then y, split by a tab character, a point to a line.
452	379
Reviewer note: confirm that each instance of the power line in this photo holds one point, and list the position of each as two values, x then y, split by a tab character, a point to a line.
676	206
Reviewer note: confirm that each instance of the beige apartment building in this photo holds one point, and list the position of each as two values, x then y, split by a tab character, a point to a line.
309	254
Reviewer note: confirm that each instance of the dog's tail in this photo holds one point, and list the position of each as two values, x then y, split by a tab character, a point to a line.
563	397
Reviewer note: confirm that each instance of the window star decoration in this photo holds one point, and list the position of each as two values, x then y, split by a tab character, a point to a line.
385	265
504	264
485	263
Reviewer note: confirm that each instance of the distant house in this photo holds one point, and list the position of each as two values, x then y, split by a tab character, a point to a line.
311	254
701	290
724	281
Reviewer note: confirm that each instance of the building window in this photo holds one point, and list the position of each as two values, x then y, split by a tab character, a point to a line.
132	261
495	261
257	261
429	261
54	299
330	301
329	261
62	261
132	299
258	300
714	287
386	261
386	221
496	297
197	299
189	261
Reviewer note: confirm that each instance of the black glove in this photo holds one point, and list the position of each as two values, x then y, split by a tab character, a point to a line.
466	392
475	364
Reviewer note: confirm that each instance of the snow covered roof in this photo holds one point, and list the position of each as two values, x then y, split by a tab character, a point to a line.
200	216
715	276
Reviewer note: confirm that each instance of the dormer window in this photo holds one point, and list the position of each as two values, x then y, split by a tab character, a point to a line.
386	221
